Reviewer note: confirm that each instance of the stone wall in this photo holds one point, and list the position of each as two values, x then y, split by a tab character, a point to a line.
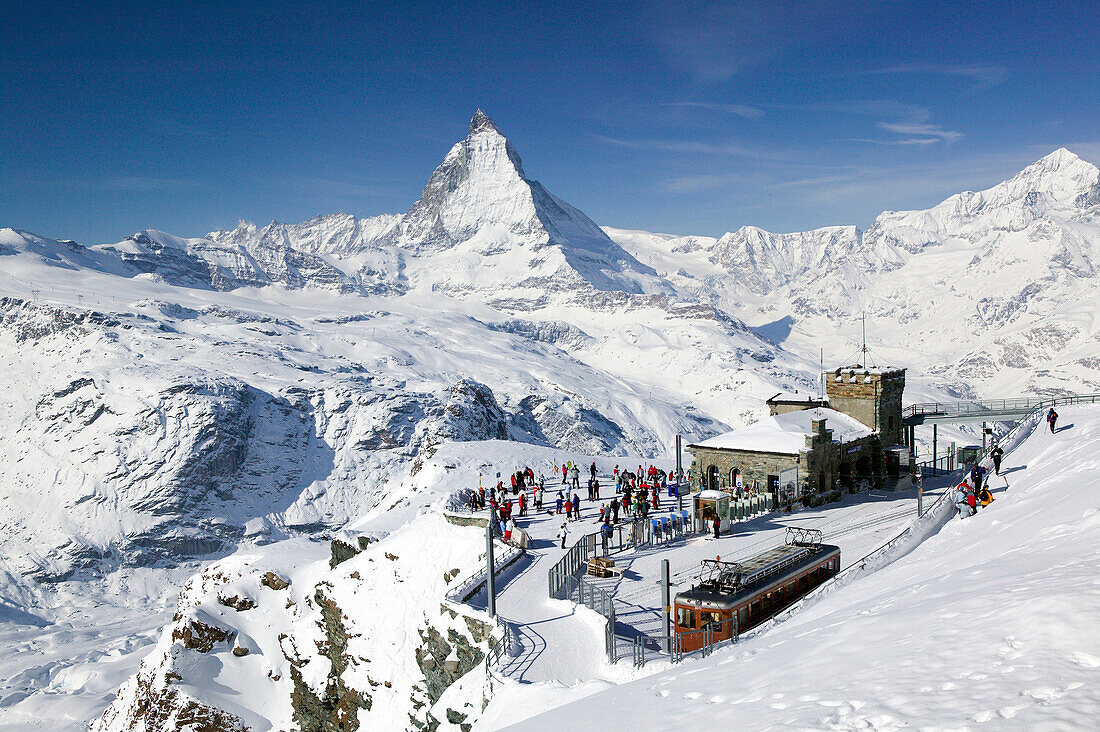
821	464
872	398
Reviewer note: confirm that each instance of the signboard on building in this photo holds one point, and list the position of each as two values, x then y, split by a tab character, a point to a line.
853	449
788	484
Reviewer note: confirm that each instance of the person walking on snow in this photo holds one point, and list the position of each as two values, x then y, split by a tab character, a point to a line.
563	534
997	454
717	524
568	509
977	475
1052	418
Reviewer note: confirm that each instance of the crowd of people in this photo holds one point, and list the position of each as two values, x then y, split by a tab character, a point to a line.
637	493
973	492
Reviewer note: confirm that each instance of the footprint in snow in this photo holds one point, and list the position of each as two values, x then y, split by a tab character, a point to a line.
692	695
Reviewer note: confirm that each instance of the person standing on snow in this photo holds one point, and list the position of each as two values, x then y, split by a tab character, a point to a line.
997	454
560	502
605	534
960	500
1052	419
563	534
717	524
576	506
575	476
985	497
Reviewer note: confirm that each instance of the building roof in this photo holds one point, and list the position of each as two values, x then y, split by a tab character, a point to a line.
861	370
797	397
786	433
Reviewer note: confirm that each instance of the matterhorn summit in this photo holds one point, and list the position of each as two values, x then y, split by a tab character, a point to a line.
480	207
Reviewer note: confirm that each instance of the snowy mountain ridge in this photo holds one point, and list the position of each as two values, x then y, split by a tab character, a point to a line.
989	292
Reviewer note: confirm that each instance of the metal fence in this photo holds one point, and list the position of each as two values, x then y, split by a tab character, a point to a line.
939	466
566	582
497	648
633	534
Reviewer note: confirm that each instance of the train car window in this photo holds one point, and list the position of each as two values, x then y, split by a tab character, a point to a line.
685	617
743	617
755	610
710	617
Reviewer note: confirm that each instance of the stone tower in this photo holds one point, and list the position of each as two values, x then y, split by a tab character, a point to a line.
871	395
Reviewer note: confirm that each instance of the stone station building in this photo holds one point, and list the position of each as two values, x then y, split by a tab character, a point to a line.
841	442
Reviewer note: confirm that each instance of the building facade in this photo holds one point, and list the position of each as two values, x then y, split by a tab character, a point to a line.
839	443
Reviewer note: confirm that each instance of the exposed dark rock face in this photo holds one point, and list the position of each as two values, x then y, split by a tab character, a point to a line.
341	552
337	710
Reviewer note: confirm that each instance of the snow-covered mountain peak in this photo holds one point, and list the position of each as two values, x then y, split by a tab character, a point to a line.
1061	175
481	121
480	210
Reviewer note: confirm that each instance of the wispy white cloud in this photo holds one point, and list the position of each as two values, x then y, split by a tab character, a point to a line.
983	74
699	183
740	110
142	183
719	147
920	132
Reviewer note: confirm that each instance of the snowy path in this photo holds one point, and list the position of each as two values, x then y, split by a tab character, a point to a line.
557	641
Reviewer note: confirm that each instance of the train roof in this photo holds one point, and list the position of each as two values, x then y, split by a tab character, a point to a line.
731	583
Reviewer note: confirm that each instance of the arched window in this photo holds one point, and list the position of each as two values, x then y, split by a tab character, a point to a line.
712	477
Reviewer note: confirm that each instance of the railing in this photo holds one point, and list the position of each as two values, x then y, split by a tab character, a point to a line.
497	649
645	647
473	583
976	408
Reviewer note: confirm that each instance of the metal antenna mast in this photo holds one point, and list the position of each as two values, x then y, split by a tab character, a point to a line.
863	349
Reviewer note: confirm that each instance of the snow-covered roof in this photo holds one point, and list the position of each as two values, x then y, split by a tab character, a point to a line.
786	433
797	396
712	495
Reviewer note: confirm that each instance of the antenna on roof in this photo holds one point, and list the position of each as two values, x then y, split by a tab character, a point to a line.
866	355
820	381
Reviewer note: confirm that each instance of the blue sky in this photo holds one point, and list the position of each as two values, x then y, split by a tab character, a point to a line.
675	117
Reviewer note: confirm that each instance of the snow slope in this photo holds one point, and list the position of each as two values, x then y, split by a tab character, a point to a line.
987	623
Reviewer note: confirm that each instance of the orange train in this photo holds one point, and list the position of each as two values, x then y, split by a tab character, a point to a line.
732	597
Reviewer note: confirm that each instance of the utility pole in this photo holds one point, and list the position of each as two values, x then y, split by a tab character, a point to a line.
490	577
920	494
934	450
666	604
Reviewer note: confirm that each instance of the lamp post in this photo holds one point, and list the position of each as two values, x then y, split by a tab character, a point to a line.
490	576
